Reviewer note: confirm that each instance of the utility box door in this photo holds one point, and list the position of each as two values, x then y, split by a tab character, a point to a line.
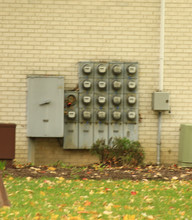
45	103
160	101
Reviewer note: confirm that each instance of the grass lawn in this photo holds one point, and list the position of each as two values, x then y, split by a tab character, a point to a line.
57	198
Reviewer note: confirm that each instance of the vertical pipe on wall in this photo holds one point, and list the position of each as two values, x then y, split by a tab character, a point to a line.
161	74
161	69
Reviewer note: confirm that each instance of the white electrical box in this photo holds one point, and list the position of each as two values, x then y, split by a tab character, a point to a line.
160	101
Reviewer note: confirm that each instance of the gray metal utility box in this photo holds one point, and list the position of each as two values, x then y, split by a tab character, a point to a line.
45	106
160	101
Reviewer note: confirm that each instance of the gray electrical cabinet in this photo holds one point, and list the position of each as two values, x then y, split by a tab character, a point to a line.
45	106
160	101
104	107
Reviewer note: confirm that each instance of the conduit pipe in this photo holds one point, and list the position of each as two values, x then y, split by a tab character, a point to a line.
161	74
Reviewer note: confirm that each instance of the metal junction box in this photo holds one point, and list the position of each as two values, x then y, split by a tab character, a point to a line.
45	105
160	101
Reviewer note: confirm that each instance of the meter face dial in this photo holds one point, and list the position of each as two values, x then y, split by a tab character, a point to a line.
101	115
70	101
131	115
116	85
117	69
116	115
101	100
132	69
87	84
87	69
131	100
71	114
71	98
102	85
131	85
116	100
86	115
86	100
102	69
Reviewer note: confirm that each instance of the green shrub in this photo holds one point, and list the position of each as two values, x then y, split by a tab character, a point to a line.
119	151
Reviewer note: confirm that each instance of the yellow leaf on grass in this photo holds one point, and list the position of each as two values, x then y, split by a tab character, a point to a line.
116	206
51	168
74	218
128	207
129	217
53	216
80	208
42	193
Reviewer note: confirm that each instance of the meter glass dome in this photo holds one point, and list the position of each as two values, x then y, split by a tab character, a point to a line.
116	115
102	69
87	69
132	69
87	84
117	69
116	85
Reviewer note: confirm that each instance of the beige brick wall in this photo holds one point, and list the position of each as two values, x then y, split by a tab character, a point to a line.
52	36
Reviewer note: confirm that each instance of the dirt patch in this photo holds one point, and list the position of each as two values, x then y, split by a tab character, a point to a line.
98	172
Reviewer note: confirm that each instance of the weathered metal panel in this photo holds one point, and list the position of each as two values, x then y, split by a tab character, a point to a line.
45	105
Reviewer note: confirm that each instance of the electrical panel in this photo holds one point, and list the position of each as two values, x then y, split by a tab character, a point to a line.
160	101
106	104
45	102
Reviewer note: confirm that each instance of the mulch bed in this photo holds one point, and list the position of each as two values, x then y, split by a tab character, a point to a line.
149	172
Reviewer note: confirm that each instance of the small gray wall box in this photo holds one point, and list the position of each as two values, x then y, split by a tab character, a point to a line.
160	101
45	104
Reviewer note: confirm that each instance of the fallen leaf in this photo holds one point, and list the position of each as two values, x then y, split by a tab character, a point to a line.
87	203
129	217
51	168
174	178
42	193
133	193
107	212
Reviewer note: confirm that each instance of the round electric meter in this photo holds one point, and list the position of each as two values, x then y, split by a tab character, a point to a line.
116	115
102	69
86	99
116	100
131	85
101	115
131	100
117	69
131	115
87	69
102	85
101	100
116	85
71	114
70	100
131	69
86	84
86	115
